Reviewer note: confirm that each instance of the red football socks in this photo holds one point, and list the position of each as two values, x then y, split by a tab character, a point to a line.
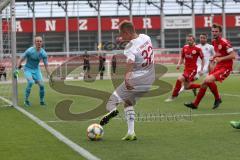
177	88
213	87
200	95
202	91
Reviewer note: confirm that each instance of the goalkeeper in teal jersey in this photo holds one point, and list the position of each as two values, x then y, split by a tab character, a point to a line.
32	72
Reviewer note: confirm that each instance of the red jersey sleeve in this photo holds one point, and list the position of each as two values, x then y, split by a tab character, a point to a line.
228	46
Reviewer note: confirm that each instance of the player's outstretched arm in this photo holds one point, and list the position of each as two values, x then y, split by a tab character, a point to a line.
18	67
181	59
47	69
49	77
19	64
179	63
45	62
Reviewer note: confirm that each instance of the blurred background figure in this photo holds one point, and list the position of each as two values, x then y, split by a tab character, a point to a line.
102	60
86	65
114	64
3	71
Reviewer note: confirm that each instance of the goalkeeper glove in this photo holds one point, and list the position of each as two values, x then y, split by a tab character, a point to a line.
16	73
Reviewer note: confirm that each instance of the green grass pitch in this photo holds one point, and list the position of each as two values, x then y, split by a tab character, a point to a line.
203	134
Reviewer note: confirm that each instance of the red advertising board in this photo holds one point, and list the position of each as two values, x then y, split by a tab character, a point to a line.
111	23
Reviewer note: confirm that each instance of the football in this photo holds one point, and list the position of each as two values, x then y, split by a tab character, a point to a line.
95	132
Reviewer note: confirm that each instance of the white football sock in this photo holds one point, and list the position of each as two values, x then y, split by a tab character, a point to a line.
130	117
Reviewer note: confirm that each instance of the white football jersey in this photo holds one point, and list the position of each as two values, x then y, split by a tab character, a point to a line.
208	52
140	51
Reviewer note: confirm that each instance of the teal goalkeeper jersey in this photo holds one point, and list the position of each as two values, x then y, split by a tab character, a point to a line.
33	57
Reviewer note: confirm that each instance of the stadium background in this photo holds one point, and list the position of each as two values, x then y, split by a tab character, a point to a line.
205	134
50	17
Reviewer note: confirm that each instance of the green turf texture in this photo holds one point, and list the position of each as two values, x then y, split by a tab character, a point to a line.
22	139
198	138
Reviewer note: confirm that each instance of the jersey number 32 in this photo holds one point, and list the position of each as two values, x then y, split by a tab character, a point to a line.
147	55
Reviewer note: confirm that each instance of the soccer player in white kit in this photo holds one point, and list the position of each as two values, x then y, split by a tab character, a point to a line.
208	52
138	78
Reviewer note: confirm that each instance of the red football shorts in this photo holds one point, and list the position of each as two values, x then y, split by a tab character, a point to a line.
221	73
189	74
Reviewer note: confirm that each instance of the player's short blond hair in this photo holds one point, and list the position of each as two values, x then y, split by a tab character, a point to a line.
37	37
216	25
127	25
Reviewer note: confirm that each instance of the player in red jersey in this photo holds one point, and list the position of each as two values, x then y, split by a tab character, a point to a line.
189	56
223	60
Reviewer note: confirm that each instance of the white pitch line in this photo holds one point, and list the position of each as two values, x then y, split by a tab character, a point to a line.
227	94
83	152
231	95
169	116
193	115
215	114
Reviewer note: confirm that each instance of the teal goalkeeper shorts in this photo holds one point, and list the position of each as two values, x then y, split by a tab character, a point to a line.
33	74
